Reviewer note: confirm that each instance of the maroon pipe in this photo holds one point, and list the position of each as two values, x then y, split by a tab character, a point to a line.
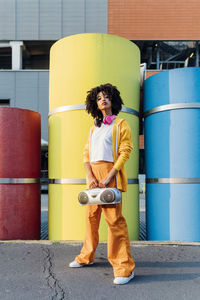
20	147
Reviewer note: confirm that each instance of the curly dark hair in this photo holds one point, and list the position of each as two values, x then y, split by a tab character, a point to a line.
114	96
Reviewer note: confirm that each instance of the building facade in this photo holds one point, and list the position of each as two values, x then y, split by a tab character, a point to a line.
28	28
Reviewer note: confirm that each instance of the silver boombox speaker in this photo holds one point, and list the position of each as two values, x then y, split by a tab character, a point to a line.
99	196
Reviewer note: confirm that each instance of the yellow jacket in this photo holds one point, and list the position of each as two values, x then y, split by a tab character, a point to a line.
122	146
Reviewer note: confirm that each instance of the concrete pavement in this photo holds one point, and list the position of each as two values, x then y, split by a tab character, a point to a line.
39	270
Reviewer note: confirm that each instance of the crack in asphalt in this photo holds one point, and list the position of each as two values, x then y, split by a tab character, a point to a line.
52	281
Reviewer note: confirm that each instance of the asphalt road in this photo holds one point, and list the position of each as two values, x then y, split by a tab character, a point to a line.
39	270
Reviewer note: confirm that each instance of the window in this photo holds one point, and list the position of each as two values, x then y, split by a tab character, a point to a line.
5	58
4	102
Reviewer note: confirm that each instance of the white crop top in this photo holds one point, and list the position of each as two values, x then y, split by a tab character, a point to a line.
101	143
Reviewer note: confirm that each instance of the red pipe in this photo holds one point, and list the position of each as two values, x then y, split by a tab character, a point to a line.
20	147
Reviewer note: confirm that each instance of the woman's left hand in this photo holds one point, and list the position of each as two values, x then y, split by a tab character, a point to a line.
104	182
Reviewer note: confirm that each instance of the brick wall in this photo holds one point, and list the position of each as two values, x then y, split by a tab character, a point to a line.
154	19
149	73
141	141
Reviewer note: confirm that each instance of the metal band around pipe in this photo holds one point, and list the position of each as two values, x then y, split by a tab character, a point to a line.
171	106
133	181
82	181
83	107
19	180
67	181
173	180
130	111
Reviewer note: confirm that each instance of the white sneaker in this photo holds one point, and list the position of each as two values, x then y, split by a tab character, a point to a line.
123	280
74	264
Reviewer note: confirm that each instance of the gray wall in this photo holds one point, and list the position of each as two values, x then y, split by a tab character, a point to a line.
43	20
28	90
51	19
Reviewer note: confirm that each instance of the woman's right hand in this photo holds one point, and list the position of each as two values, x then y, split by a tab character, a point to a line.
93	183
91	179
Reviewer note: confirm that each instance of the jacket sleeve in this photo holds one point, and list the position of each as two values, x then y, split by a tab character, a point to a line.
86	157
125	145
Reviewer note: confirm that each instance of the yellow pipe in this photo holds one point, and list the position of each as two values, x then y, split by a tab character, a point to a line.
77	64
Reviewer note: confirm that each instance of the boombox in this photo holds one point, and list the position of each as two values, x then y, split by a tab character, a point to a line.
99	196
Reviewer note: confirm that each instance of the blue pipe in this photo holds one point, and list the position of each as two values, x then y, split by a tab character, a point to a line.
172	151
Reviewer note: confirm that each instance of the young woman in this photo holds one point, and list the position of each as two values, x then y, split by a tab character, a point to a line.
108	148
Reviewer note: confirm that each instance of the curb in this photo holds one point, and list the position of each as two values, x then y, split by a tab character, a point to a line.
76	243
